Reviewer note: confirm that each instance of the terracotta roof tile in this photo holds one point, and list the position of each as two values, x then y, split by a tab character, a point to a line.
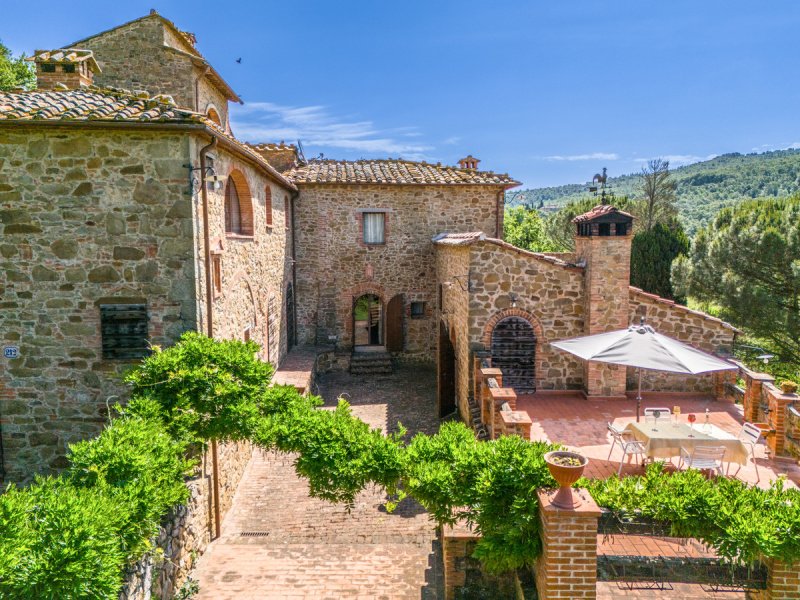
66	56
458	239
466	239
91	104
598	211
391	171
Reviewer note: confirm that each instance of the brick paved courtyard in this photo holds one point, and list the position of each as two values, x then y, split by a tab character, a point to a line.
308	548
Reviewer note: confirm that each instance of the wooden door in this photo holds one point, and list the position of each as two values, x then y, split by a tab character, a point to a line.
394	324
446	396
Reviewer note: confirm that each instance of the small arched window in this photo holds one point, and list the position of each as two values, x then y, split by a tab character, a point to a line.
238	206
214	115
268	203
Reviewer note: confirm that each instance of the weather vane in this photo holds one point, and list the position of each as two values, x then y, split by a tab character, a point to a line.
601	179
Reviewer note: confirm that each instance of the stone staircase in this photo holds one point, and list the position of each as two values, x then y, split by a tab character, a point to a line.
481	432
371	363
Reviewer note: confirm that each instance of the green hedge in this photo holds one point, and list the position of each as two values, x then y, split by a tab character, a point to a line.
72	536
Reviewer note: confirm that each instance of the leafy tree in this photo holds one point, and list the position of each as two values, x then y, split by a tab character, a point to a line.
15	72
524	228
652	253
658	192
747	261
560	228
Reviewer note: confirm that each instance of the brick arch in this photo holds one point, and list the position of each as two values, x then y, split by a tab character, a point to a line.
236	189
213	114
512	312
346	302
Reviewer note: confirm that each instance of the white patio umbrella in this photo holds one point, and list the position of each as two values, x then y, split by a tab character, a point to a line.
641	347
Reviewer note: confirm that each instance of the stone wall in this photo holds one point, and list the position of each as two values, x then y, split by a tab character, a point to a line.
256	269
146	55
86	216
452	261
702	331
188	530
333	264
549	294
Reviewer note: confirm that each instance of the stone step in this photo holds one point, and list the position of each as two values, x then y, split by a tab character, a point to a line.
371	371
370	357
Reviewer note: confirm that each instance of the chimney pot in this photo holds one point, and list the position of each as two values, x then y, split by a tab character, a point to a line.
66	68
470	162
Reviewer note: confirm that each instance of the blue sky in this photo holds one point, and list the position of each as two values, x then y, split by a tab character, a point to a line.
548	91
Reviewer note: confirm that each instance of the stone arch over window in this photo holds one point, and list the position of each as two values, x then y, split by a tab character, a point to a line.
515	339
268	204
213	114
238	205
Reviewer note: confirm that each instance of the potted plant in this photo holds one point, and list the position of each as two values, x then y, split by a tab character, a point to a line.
788	387
566	468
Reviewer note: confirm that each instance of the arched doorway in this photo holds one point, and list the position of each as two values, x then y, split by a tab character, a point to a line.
367	321
446	392
514	353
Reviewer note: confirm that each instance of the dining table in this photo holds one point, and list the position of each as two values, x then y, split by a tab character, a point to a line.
664	438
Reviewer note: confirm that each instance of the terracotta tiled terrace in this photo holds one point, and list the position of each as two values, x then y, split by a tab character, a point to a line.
581	424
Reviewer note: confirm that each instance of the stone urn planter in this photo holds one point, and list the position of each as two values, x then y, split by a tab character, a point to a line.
788	387
566	468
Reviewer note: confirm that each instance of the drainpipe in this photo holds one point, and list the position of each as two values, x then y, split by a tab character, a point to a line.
210	316
292	198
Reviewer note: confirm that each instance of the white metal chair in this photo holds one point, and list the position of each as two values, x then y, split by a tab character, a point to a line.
703	458
750	435
630	446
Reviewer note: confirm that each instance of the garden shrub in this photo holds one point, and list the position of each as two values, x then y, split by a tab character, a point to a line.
59	541
742	523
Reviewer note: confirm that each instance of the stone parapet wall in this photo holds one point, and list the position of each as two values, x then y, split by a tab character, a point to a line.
85	218
334	266
188	530
698	329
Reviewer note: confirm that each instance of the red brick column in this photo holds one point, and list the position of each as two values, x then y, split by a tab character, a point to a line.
567	567
458	543
498	396
783	582
516	422
778	402
485	398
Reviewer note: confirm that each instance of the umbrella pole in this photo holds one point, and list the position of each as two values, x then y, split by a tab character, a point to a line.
639	396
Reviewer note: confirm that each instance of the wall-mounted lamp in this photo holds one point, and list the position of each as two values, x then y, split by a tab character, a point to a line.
763	355
513	298
209	176
464	282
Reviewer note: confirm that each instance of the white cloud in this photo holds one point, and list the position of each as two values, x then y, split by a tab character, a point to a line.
452	140
677	160
315	126
592	156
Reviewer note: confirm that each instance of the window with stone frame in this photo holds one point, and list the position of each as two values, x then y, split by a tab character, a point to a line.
268	205
216	273
238	208
374	228
123	331
418	310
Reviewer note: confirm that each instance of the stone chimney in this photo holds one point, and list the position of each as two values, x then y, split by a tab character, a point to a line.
281	156
67	68
470	162
603	246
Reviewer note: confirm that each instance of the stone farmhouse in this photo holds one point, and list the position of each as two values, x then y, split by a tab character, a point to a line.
130	213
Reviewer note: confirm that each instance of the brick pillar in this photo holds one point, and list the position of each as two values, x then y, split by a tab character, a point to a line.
498	396
753	382
721	379
458	543
783	581
778	403
567	567
516	422
606	293
485	398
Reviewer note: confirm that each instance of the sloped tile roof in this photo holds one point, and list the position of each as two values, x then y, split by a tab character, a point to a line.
106	105
270	147
599	211
389	171
92	104
458	239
